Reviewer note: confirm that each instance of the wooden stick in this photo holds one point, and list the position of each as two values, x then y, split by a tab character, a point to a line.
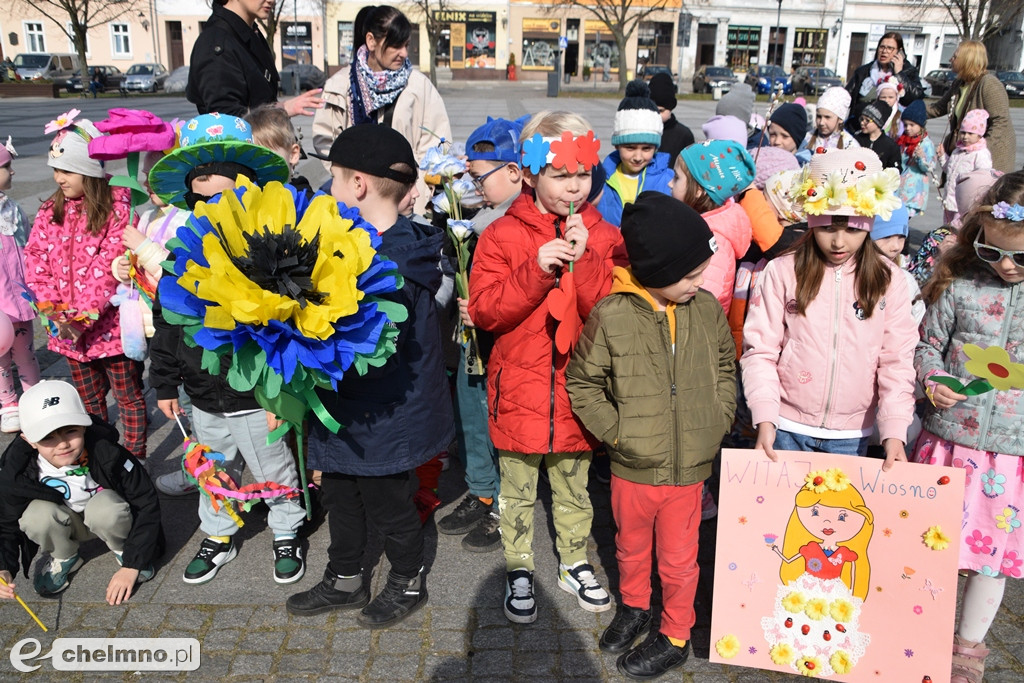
26	607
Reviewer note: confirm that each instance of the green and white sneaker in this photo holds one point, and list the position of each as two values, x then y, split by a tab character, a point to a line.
211	557
288	563
144	574
57	576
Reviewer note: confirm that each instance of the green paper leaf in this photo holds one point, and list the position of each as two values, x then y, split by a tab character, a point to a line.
139	194
286	405
247	367
951	382
211	362
978	386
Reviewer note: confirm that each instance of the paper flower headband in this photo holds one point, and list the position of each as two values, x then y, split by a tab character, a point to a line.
66	121
833	479
568	152
1010	212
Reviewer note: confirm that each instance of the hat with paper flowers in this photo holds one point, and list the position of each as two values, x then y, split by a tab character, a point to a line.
849	183
69	150
217	144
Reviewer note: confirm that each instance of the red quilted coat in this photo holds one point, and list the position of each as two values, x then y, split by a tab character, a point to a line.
529	409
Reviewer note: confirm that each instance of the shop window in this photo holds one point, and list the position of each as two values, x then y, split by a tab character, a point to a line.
540	44
743	45
809	46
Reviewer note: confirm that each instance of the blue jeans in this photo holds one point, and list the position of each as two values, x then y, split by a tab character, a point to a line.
475	448
791	441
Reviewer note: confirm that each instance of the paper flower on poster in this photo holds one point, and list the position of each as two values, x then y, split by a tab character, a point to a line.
935	539
728	646
782	654
841	662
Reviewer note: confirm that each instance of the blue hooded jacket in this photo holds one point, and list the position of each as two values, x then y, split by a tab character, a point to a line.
655	177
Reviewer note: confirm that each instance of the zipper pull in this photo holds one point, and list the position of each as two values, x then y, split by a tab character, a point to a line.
673	389
839	274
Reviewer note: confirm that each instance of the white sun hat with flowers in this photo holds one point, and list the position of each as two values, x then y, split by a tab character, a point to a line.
849	183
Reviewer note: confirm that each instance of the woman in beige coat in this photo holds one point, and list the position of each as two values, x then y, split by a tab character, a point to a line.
380	86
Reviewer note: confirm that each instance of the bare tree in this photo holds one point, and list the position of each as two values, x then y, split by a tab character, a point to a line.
273	22
621	17
75	17
975	19
431	15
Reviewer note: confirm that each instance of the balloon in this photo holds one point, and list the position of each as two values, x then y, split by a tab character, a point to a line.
6	333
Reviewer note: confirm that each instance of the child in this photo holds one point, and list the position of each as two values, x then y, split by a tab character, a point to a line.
971	154
675	137
706	178
917	154
829	334
214	149
973	297
396	417
66	481
492	151
668	387
833	108
872	121
890	236
890	90
787	127
75	239
636	164
272	128
13	235
519	261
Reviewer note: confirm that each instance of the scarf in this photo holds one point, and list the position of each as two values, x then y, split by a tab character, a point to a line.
373	90
973	147
909	143
876	73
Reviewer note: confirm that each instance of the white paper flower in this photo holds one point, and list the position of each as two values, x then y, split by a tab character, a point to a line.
460	229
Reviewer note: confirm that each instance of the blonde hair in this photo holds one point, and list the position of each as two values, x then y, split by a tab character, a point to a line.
971	60
272	127
798	536
386	187
553	123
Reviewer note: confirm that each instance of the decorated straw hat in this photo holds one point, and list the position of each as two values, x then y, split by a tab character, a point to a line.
849	183
208	139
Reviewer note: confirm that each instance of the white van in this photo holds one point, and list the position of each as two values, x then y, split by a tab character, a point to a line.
53	66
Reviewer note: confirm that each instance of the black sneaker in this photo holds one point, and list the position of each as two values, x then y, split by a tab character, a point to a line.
652	658
629	624
485	536
520	605
288	563
211	556
464	517
401	597
333	592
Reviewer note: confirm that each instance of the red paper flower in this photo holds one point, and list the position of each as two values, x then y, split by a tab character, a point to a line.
566	153
562	306
589	148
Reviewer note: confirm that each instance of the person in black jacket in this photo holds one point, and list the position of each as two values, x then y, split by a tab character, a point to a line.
395	417
67	480
675	137
890	58
232	67
872	118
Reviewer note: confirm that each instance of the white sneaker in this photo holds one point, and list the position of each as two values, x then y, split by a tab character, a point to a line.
174	484
579	580
10	423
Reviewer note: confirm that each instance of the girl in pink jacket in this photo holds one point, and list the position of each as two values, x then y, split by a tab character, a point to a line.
75	239
707	176
829	337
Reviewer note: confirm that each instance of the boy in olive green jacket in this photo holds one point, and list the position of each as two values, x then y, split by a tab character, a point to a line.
654	376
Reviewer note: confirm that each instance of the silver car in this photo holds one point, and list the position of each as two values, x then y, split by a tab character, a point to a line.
178	80
145	77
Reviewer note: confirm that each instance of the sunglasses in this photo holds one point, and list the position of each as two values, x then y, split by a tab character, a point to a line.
990	254
478	181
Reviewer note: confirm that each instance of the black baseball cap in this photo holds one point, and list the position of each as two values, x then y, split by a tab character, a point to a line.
373	149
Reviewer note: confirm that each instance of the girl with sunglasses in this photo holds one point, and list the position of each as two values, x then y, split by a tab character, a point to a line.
974	328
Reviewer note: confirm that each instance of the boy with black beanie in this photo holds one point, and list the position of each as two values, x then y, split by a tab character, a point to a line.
665	344
872	119
675	137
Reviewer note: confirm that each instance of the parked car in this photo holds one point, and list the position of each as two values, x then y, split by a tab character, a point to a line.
940	80
111	78
648	71
178	80
309	76
814	80
1014	82
52	66
766	79
145	77
710	77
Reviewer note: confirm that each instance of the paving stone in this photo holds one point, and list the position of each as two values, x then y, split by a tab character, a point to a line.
262	641
299	664
539	640
249	664
347	664
440	668
492	638
393	667
352	640
448	641
401	642
454	618
491	616
491	663
535	664
305	639
186	618
143	617
213	665
225	639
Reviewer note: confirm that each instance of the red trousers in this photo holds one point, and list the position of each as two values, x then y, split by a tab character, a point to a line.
669	515
123	376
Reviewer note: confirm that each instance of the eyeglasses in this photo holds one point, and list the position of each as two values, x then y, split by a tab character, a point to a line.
990	254
478	181
888	48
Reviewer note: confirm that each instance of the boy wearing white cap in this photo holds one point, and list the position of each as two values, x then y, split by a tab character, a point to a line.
833	109
67	480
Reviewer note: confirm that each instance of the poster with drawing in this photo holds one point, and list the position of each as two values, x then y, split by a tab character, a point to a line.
828	567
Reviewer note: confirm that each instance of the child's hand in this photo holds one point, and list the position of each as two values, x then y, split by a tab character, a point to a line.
943	397
68	331
894	451
273	421
555	254
169	407
766	440
121	584
464	313
576	233
122	269
6	591
132	238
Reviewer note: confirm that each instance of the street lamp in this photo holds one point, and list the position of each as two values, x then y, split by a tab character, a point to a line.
778	19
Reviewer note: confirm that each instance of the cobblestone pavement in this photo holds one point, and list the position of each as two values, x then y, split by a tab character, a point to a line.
461	634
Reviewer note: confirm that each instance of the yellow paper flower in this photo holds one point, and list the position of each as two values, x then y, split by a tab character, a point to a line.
881	189
794	602
782	654
994	364
841	662
815	481
935	539
834	191
841	610
816	608
836	479
809	665
728	646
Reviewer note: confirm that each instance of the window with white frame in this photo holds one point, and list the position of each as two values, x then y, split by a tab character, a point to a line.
35	40
122	46
71	42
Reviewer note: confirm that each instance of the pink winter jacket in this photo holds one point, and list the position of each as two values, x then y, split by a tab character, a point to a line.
829	368
65	264
733	231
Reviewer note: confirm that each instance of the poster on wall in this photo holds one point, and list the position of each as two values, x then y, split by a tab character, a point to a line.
828	567
480	40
